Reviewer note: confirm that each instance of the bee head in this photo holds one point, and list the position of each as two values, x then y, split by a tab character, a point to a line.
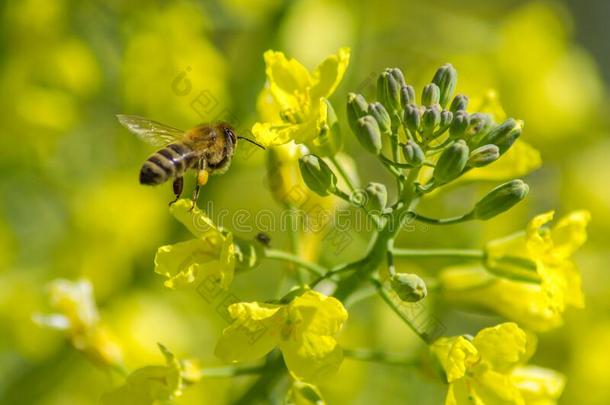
229	133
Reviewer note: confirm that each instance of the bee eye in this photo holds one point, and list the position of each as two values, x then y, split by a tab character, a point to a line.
229	133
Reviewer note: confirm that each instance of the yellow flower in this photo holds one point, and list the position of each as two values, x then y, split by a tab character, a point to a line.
487	369
210	254
78	316
303	329
292	104
149	384
547	252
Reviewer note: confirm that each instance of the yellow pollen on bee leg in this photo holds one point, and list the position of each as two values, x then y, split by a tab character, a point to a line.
202	177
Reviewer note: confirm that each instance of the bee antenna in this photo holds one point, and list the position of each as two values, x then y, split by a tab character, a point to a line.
251	141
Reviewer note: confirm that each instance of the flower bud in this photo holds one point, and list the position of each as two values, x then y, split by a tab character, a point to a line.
247	254
445	122
412	118
430	120
377	111
479	126
451	163
459	124
369	134
357	107
376	197
328	142
317	175
459	103
389	84
500	199
430	95
408	287
302	393
407	96
446	79
483	155
504	135
413	154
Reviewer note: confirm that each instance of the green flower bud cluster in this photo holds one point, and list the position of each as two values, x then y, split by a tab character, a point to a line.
439	123
437	131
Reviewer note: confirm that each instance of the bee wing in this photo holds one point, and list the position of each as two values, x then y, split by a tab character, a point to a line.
149	131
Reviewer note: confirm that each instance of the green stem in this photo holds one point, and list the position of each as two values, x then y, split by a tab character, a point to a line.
442	221
342	173
388	300
231	371
379	357
475	254
294	242
313	268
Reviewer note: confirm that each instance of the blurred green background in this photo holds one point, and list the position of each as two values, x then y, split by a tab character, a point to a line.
72	207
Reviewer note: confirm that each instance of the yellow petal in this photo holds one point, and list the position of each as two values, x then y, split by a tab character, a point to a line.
569	234
456	355
269	134
321	315
502	346
538	386
148	385
312	358
268	110
460	393
253	334
188	263
287	74
491	387
196	221
328	75
525	303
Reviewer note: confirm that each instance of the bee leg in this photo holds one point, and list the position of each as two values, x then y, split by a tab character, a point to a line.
202	179
177	186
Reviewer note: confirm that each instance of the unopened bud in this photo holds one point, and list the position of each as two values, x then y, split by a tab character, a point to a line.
430	120
376	197
500	199
412	118
389	84
479	126
446	80
459	124
317	175
407	96
369	134
445	122
430	95
413	154
451	163
247	254
483	155
302	393
377	111
357	107
504	135
459	103
408	287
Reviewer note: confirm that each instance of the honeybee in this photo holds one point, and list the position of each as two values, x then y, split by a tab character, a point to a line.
206	148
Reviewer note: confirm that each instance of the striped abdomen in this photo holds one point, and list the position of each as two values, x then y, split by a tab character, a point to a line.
168	163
